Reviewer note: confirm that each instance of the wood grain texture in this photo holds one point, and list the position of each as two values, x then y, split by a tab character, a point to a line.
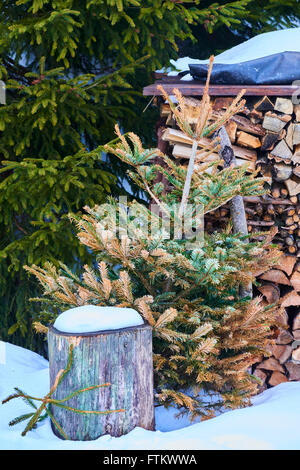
194	88
121	357
237	207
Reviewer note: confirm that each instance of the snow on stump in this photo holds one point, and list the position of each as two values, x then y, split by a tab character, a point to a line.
110	345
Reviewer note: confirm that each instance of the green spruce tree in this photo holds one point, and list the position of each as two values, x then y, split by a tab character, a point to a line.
258	16
70	68
205	338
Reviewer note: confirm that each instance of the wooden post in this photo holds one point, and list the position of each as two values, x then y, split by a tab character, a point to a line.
237	207
121	357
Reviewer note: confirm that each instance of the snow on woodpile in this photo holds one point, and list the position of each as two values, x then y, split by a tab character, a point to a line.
90	318
263	45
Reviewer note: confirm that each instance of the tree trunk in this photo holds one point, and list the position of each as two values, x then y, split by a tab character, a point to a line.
121	357
237	208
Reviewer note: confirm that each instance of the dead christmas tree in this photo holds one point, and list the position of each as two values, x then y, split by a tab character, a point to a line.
205	336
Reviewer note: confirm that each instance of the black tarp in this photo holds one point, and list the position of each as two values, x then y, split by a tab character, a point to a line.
276	69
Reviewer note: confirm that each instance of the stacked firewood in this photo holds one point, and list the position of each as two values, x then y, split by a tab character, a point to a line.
266	135
282	284
262	213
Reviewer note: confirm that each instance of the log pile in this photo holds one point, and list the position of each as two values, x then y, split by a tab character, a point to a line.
266	135
282	284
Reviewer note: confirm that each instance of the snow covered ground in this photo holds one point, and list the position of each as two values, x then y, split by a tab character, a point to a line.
271	423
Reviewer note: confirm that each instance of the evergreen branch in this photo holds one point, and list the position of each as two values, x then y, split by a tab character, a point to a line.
11	397
77	410
54	421
27	399
32	422
60	377
47	400
74	394
20	419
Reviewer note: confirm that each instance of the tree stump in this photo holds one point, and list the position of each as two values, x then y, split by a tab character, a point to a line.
121	357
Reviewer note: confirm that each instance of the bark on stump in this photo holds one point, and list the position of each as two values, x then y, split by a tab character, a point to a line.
121	357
